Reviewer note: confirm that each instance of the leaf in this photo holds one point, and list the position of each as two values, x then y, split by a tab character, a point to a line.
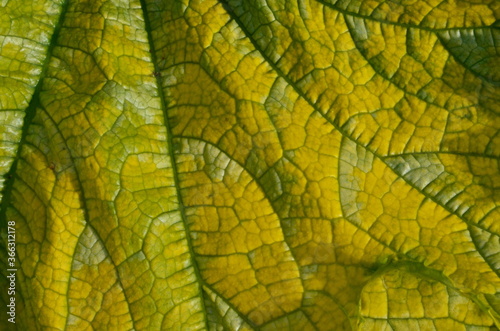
400	300
251	165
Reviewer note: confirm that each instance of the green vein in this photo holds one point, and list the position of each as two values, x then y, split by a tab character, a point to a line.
170	148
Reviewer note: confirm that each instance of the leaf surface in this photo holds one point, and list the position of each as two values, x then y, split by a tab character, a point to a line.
252	165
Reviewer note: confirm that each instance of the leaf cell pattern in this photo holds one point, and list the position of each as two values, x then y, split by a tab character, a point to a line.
252	165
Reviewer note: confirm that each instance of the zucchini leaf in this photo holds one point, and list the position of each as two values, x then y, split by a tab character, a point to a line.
251	165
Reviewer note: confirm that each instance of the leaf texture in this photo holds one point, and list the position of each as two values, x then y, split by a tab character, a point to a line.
252	165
